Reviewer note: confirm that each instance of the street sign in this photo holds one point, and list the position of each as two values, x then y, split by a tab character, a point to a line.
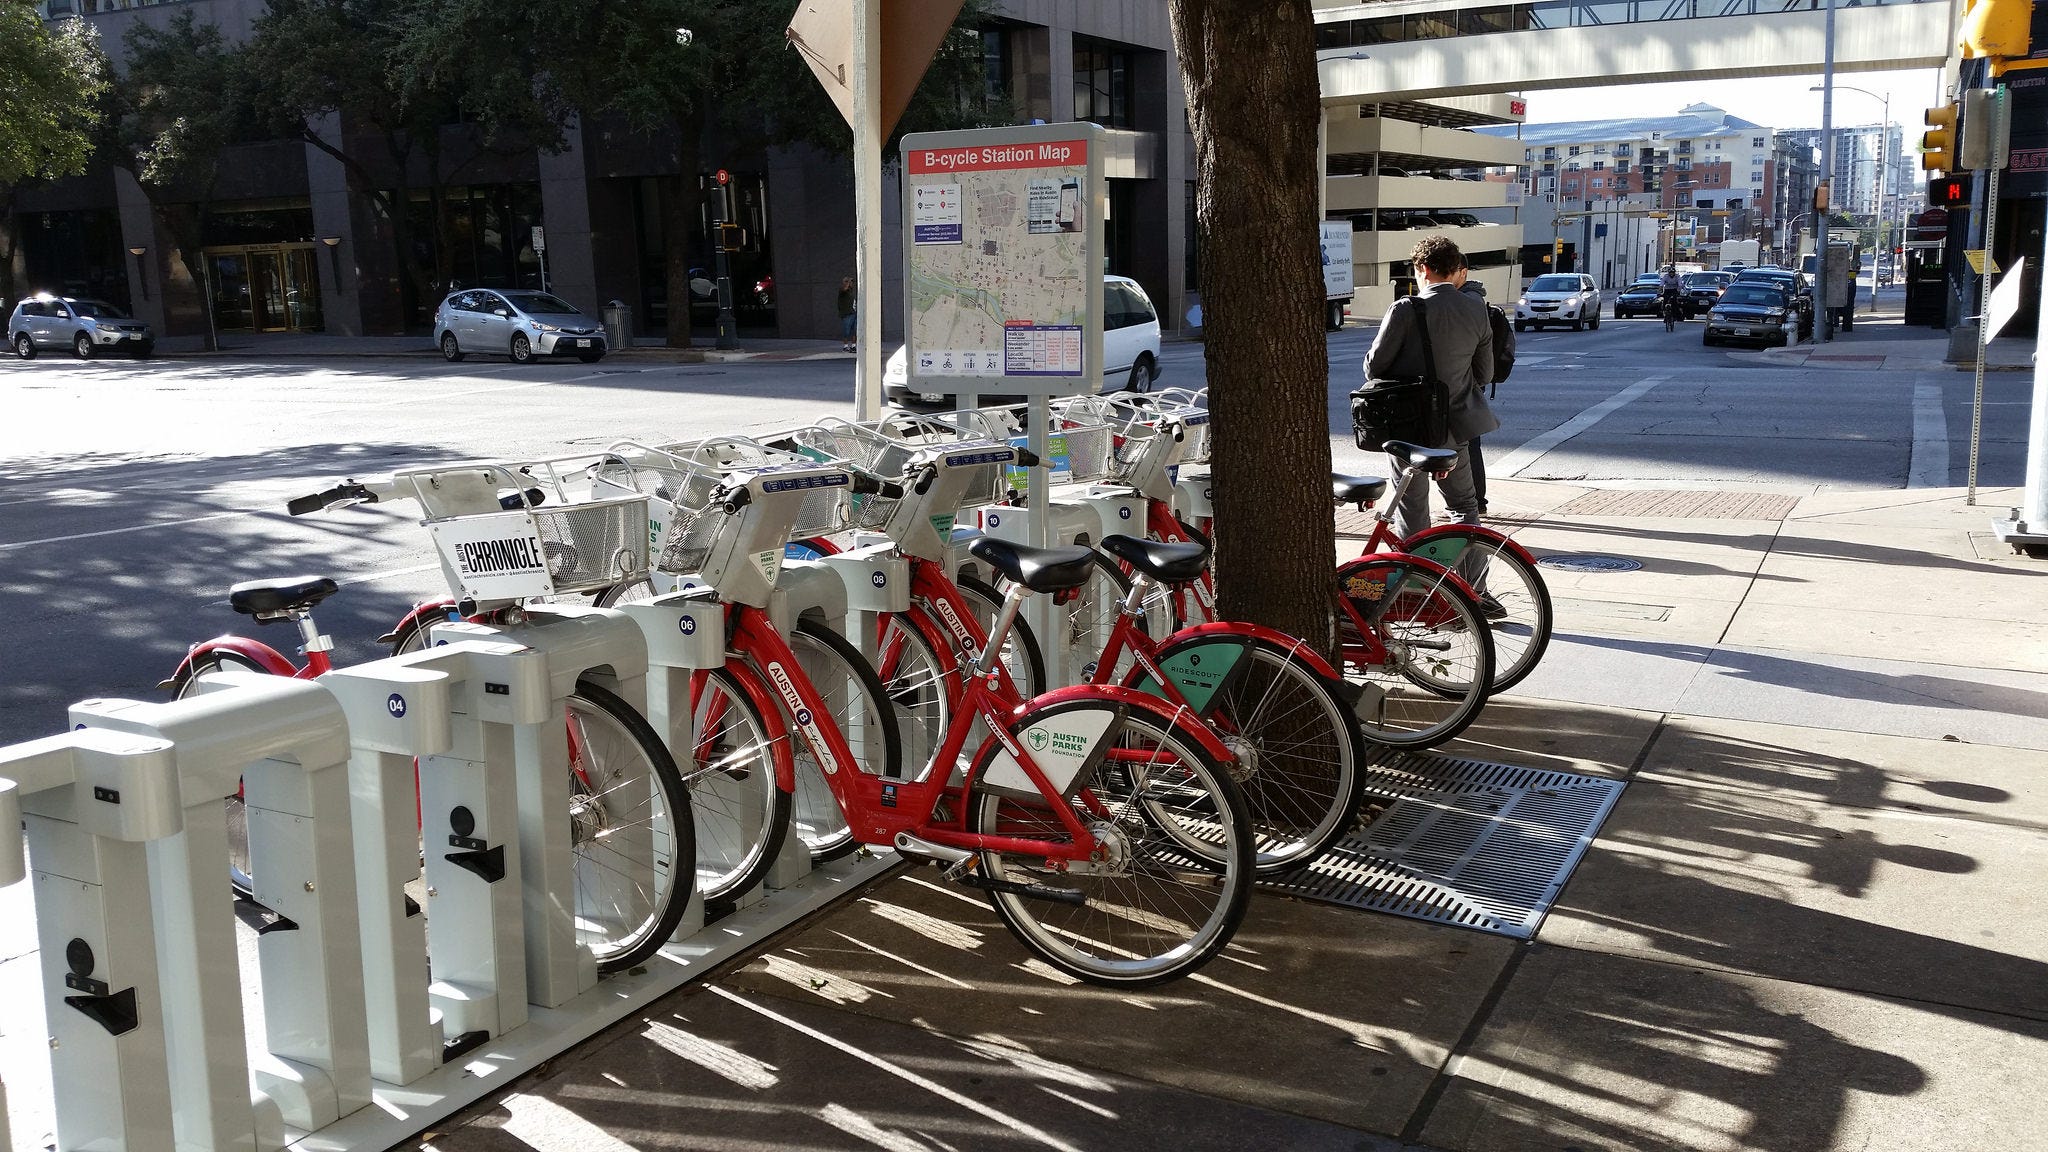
1977	261
540	240
724	177
2005	300
822	31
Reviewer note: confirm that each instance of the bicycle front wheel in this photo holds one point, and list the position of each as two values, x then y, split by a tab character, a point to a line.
1146	910
1300	758
739	814
1519	616
1417	644
858	702
630	829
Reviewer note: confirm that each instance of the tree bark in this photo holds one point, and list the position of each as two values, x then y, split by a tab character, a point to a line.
1254	106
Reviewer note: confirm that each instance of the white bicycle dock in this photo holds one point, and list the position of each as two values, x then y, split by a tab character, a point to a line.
391	995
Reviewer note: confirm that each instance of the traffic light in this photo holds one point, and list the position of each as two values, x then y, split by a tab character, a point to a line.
1999	29
1557	247
1949	192
1820	196
1938	143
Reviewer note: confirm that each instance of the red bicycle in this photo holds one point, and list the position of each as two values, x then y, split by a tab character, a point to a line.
621	773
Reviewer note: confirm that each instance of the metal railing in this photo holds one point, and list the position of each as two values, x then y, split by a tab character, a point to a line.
1549	14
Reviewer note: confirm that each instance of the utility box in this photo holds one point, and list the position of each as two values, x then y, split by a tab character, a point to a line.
618	325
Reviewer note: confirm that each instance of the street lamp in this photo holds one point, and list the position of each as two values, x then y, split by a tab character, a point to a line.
141	276
333	258
1883	177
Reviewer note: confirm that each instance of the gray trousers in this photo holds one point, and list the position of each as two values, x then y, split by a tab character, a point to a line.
1461	497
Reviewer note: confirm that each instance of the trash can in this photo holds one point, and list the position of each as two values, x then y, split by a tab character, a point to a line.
618	325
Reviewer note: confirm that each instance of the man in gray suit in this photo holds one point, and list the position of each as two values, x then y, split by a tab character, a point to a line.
1461	343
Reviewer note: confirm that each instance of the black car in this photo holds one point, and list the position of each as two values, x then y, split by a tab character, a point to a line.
1702	289
1792	282
1639	299
1757	310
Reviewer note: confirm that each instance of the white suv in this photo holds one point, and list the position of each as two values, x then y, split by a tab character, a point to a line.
1558	298
87	327
1130	346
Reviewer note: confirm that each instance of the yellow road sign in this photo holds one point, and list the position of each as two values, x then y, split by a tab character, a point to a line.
1977	261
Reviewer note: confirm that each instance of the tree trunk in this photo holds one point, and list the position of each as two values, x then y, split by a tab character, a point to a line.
1254	106
680	199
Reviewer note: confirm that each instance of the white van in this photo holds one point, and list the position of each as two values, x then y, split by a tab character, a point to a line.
1130	347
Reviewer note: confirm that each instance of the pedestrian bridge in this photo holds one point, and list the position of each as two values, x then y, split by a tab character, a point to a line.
1405	49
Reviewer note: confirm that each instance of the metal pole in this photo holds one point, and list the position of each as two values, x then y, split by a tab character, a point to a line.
2034	500
1984	297
1824	324
1884	139
867	208
728	328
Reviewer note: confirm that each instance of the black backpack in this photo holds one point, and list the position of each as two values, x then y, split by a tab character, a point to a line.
1503	344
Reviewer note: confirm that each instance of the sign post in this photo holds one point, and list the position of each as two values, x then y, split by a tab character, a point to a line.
540	252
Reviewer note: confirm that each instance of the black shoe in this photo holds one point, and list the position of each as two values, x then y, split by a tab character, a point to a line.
1490	608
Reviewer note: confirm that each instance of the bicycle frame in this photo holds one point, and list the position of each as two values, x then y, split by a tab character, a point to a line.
946	621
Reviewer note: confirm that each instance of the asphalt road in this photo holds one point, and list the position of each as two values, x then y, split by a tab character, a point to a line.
133	494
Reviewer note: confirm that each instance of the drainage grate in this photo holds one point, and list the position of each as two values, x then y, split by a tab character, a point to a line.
1689	504
1586	562
1464	842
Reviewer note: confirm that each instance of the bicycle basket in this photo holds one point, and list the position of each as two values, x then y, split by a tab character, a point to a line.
546	551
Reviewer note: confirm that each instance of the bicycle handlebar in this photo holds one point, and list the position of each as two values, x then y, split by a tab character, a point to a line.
866	485
529	498
1027	458
346	492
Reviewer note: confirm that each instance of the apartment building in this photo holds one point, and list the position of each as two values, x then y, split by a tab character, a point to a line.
290	245
1873	173
1710	175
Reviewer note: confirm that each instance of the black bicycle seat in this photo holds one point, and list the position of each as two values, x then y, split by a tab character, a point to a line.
1039	569
1356	489
1170	563
1435	461
274	598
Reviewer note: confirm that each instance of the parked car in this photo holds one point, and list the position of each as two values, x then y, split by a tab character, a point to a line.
1702	289
1559	298
1130	347
1457	219
87	327
515	322
1796	283
1761	311
1642	298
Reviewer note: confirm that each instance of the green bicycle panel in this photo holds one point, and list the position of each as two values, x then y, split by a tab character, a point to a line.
1445	550
1197	670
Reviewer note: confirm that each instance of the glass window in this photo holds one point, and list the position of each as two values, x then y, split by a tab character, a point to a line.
98	308
1102	82
541	304
995	64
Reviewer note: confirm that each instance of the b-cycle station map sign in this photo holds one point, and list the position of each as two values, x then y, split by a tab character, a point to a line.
1002	246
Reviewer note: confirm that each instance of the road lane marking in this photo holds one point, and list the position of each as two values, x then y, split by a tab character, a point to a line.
932	1086
130	528
1533	449
1929	463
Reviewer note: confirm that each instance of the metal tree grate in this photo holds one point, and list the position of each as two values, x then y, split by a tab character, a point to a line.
1464	842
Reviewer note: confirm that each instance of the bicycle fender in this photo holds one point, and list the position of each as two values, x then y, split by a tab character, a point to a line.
1134	699
422	616
1419	563
254	651
1506	541
1294	646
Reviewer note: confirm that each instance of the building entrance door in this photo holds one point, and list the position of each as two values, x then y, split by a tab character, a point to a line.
267	288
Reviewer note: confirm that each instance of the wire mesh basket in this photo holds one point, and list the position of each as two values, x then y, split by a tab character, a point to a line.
522	548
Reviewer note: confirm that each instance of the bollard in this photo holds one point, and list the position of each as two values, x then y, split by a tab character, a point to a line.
91	799
397	710
287	741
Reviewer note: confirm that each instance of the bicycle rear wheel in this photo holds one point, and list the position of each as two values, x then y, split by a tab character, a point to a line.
739	814
1149	909
1417	644
1521	626
630	829
859	703
1300	758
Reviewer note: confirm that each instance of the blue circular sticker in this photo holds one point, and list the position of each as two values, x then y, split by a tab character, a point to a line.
995	521
395	704
688	624
1124	512
803	717
881	579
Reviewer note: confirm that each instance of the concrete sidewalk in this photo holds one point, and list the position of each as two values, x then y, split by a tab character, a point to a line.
1811	923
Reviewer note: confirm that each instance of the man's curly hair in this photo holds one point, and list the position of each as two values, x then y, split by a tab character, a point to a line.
1439	254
